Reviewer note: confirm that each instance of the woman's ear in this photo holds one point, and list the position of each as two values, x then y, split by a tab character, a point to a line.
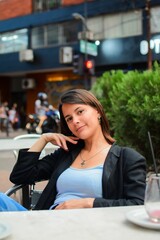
99	119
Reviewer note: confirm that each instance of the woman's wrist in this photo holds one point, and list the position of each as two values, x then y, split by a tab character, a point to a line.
38	145
90	202
44	138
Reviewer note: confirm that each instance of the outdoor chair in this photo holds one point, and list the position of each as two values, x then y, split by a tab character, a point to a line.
27	136
29	193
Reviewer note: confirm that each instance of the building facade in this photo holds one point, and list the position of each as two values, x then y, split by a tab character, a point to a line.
39	40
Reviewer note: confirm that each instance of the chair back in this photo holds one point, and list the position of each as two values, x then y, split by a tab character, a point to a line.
27	136
30	196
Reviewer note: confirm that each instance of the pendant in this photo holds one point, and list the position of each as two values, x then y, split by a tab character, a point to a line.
83	163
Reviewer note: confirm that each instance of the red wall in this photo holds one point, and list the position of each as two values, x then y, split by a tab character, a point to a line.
14	8
71	2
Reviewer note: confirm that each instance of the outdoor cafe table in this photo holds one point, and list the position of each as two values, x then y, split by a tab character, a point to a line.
77	224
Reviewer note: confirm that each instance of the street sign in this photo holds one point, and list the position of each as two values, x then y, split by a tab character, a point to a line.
88	47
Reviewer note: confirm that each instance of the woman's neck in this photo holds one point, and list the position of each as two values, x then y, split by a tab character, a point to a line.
91	145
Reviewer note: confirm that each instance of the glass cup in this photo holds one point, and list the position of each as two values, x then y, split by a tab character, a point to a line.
152	198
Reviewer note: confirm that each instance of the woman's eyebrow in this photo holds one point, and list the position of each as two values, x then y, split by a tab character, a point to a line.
66	116
74	111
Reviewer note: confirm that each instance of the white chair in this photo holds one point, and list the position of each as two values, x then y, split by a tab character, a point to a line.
30	195
27	136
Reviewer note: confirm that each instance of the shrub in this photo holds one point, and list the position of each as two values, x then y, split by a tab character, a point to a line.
132	103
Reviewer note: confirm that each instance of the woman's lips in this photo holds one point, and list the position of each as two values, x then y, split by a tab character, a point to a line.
80	128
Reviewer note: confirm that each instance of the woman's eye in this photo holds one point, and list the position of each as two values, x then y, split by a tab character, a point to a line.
68	120
80	111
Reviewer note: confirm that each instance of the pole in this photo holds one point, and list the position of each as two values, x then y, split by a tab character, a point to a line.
84	37
86	77
85	28
148	14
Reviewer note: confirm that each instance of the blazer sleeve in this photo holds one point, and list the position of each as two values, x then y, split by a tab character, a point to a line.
29	169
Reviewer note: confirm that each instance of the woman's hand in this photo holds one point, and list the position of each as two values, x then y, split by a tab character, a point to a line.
76	204
54	138
59	139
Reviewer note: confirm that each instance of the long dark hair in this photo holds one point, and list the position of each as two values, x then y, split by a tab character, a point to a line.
82	96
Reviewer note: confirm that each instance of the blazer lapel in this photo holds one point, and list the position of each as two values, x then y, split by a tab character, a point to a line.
109	166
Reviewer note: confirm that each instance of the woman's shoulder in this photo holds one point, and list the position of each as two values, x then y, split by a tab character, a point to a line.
126	151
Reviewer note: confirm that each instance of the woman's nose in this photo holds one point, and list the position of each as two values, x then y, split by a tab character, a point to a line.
75	120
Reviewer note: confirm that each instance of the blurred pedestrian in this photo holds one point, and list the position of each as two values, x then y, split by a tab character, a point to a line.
41	106
14	118
3	115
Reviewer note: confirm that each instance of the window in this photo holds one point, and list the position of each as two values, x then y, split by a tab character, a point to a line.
13	41
131	24
51	4
155	20
38	37
70	31
116	25
43	5
96	26
54	34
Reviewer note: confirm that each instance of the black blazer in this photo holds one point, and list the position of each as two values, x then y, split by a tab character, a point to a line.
123	180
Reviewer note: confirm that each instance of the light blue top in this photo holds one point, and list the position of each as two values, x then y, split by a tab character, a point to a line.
76	183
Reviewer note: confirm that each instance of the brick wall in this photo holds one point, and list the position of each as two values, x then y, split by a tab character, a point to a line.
71	2
14	8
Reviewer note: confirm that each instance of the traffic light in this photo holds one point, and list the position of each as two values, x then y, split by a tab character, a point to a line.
78	64
82	67
89	67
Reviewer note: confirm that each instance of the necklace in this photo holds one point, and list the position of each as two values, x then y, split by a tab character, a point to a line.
83	161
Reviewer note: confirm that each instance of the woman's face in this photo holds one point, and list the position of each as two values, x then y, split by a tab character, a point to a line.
81	119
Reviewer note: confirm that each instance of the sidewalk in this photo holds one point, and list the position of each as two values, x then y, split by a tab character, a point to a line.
12	133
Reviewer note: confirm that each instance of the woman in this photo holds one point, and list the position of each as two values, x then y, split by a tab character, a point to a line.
89	169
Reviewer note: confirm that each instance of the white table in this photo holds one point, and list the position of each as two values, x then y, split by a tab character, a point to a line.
81	224
10	144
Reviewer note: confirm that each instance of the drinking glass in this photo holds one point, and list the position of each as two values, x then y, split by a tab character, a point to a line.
152	198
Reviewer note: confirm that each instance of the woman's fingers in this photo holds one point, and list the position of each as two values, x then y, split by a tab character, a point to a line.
60	139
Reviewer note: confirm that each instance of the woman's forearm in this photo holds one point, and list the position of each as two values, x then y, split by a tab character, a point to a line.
39	145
